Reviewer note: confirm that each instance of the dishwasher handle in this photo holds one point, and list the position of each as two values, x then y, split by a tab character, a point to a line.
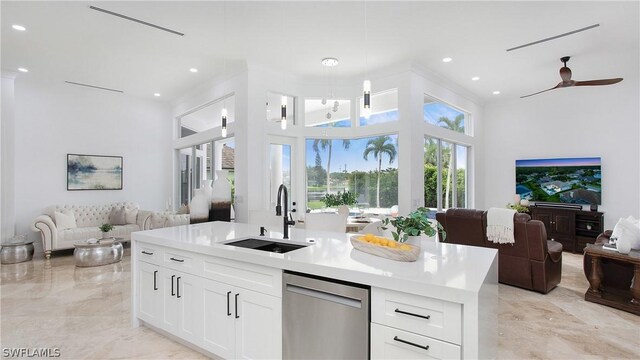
324	295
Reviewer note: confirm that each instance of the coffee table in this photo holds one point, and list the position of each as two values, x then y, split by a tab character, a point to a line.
104	252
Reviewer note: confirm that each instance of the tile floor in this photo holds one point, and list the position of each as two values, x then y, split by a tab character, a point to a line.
85	313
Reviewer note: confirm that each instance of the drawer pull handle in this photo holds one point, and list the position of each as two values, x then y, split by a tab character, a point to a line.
411	314
178	260
228	309
173	293
178	287
147	253
237	316
155	280
423	347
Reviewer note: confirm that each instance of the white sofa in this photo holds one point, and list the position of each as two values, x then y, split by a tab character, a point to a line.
88	219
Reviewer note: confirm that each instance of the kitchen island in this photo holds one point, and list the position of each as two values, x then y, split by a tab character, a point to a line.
226	301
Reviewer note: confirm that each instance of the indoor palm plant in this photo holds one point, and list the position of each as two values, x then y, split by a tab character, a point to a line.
415	224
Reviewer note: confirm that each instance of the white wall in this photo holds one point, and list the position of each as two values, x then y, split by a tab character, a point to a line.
53	119
576	122
7	184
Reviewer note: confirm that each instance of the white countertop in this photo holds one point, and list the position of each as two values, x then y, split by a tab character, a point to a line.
454	272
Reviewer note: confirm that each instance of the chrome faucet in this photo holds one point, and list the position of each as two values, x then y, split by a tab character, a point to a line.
286	220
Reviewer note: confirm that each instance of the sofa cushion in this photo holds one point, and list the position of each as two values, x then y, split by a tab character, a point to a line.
158	221
117	216
85	233
130	215
65	219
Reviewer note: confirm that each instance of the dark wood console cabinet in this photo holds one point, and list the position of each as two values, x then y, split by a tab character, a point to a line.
573	228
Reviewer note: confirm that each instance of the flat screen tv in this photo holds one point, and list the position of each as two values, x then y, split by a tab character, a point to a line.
563	180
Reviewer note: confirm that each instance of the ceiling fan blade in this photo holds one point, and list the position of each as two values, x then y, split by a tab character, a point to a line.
598	82
539	92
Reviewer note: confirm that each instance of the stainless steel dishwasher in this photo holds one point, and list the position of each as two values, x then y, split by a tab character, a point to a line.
324	319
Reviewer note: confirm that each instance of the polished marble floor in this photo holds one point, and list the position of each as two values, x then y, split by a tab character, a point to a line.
84	312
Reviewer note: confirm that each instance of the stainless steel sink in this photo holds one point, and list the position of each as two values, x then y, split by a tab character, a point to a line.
266	245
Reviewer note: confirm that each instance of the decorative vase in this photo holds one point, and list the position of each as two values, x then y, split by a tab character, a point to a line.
207	187
524	202
623	245
220	209
199	207
414	240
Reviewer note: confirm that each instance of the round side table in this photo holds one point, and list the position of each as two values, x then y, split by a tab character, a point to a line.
104	252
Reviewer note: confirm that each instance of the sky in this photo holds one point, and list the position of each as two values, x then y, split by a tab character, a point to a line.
433	111
587	161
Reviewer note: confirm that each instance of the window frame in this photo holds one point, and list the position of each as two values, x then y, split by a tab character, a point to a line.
454	179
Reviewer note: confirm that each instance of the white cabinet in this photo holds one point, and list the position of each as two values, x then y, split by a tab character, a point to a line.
241	323
206	301
181	299
149	304
258	326
407	326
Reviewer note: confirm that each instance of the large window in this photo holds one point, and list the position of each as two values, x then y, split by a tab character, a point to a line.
279	172
384	108
437	113
207	117
327	112
366	167
445	174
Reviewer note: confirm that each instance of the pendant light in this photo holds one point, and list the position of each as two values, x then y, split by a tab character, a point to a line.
366	85
283	113
283	107
223	113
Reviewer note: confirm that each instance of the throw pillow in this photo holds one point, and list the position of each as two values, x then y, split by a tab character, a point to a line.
627	230
184	209
157	221
117	216
130	216
65	219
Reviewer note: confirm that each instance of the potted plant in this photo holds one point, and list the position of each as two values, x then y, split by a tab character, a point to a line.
341	198
518	208
415	224
105	228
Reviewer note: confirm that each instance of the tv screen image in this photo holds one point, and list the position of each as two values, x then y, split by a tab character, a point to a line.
562	180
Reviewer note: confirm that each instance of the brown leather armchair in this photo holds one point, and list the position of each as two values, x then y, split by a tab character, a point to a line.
615	274
532	262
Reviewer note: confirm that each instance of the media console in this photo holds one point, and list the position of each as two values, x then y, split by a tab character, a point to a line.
569	225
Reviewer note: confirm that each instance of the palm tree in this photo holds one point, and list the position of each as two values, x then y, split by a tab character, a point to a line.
328	144
380	146
457	125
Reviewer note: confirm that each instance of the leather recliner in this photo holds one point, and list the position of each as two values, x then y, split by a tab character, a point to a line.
532	262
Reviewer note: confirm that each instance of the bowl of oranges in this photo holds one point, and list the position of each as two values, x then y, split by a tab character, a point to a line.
384	247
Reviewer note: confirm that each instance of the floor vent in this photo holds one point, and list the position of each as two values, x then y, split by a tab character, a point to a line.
93	86
135	20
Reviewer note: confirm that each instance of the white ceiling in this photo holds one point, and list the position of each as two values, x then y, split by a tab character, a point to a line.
68	41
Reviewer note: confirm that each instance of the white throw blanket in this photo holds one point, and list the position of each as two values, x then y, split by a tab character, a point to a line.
500	225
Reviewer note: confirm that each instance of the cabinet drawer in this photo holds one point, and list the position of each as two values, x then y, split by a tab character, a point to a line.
149	253
390	343
258	278
418	314
188	262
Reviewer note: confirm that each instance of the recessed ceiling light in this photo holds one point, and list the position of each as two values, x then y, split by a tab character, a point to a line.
19	27
330	62
475	78
447	59
193	70
23	70
496	92
156	94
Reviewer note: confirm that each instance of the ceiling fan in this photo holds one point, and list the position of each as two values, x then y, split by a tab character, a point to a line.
565	74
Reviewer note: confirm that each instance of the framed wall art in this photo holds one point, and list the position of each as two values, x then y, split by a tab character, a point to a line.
94	172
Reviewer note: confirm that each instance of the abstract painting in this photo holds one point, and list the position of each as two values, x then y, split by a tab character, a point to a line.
94	172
